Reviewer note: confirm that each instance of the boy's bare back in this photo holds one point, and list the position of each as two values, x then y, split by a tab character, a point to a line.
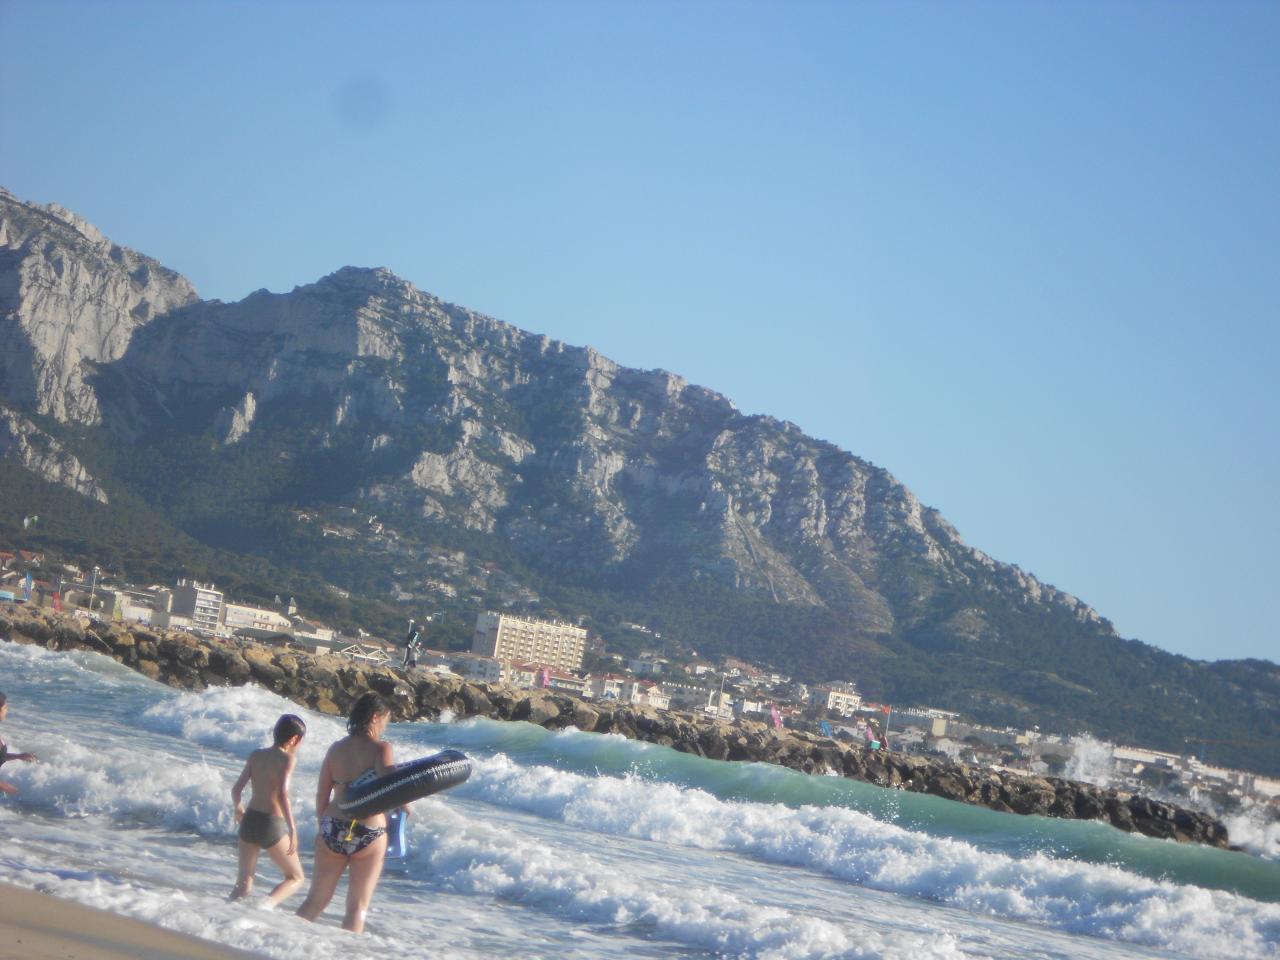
268	769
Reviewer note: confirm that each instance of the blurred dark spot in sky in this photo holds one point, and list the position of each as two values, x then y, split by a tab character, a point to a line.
363	102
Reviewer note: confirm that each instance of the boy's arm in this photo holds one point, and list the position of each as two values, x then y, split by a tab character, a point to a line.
238	790
287	807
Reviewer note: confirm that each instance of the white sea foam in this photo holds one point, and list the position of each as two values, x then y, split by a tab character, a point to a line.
239	720
514	857
1255	829
80	781
1079	897
1092	761
479	858
275	934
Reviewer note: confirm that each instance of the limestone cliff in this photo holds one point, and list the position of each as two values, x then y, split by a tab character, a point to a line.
22	442
628	465
69	298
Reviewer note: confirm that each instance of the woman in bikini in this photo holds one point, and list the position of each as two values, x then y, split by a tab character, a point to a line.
341	842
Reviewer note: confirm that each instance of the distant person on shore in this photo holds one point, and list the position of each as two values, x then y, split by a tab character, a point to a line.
341	842
875	739
5	755
880	736
268	823
411	644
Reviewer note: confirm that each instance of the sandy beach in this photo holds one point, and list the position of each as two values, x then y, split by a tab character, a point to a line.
39	926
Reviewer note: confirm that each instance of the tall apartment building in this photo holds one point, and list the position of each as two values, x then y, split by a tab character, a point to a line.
505	637
201	603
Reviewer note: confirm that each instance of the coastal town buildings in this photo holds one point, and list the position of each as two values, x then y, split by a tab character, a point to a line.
605	686
554	679
549	654
549	642
635	690
198	604
840	697
138	604
478	668
242	616
309	630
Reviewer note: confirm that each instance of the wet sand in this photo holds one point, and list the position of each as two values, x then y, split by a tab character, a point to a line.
39	926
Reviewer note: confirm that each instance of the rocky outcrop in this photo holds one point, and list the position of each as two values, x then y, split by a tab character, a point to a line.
22	442
69	299
330	684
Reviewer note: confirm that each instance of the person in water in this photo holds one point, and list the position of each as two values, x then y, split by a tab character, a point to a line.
268	823
5	755
342	842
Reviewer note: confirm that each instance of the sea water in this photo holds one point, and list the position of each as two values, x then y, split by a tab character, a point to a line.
572	845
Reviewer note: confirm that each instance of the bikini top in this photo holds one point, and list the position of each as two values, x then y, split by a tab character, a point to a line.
370	774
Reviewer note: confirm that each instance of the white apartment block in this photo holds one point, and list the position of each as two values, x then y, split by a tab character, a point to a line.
644	692
504	637
841	697
562	680
240	616
605	686
196	602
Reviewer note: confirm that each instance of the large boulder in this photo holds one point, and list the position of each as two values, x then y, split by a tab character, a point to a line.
538	707
262	666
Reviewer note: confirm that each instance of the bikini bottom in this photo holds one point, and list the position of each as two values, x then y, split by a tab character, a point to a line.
346	837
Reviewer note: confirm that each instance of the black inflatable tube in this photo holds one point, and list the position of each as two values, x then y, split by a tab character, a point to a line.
406	783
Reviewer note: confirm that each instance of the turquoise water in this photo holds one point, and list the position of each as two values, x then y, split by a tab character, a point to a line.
574	845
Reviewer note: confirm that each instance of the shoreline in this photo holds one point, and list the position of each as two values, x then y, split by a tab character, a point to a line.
42	926
329	683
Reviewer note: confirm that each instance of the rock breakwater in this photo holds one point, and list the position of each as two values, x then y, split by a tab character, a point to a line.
329	683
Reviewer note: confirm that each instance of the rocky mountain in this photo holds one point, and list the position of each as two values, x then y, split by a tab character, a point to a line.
511	468
69	298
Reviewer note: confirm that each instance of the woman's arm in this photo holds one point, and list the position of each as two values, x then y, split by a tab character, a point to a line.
324	785
384	763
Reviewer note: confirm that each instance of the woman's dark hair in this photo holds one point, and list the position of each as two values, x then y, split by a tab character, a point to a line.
288	727
368	706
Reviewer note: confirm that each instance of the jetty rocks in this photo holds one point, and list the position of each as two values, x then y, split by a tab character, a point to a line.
329	683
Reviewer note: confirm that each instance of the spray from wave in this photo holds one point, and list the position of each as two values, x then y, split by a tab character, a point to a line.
1256	828
1091	761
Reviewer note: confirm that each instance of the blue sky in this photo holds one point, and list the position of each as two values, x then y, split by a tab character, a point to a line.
1026	256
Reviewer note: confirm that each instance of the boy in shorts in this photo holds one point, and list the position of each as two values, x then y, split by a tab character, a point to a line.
268	823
